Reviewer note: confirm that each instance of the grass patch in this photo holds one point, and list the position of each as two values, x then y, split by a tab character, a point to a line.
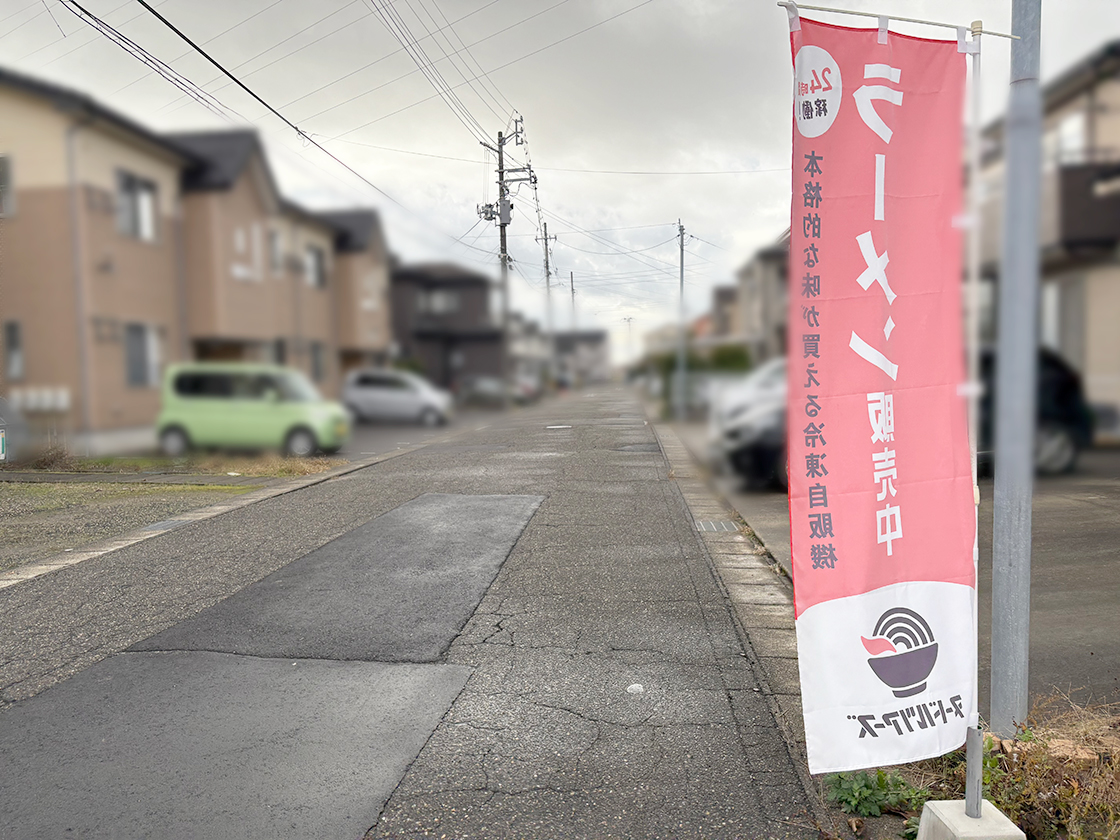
1058	780
201	463
38	520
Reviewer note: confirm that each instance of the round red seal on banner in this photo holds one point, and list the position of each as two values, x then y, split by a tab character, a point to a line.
818	91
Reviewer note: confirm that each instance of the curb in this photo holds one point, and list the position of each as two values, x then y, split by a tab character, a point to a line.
64	560
761	598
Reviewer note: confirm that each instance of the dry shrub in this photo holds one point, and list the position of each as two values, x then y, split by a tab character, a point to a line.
50	459
1060	778
269	464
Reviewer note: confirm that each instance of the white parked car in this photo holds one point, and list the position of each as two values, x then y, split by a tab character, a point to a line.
764	385
381	394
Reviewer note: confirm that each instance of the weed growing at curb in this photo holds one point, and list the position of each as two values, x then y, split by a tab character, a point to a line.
874	794
1059	778
264	464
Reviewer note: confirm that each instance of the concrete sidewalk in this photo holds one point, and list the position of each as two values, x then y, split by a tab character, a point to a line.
601	652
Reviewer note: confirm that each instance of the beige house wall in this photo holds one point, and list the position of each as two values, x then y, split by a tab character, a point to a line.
1101	372
315	310
74	363
37	292
363	302
38	132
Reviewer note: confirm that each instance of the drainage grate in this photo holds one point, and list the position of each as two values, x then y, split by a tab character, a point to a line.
716	526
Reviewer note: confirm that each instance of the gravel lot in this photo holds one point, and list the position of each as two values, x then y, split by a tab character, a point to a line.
40	519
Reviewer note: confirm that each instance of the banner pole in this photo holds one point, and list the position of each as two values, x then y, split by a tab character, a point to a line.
974	776
1016	379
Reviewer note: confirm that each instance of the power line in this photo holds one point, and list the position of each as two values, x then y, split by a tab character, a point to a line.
289	53
451	58
268	107
370	64
138	52
570	169
400	30
108	31
501	66
19	11
221	34
630	251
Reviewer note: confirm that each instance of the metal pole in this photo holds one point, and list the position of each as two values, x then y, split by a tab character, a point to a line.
680	393
974	772
572	280
548	312
505	269
1015	389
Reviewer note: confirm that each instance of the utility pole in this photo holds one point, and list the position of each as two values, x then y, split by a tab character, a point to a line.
548	307
572	279
503	213
629	319
1017	360
680	393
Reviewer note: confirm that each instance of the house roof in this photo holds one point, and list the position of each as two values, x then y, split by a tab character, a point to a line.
222	156
80	104
356	229
439	274
1100	64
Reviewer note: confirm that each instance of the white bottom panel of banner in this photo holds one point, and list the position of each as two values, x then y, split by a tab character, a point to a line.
888	676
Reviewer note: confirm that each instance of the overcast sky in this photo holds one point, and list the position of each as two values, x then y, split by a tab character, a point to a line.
605	87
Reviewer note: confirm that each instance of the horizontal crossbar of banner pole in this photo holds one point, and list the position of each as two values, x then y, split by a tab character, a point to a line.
798	6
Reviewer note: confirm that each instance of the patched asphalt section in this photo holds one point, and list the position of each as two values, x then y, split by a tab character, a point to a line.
397	589
176	745
610	697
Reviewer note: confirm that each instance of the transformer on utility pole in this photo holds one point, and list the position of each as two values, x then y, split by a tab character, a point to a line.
502	212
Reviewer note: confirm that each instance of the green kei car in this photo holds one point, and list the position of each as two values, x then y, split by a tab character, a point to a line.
235	405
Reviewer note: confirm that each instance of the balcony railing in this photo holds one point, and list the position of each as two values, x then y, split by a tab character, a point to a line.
1079	212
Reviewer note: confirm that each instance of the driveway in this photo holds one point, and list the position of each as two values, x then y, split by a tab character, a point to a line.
1075	588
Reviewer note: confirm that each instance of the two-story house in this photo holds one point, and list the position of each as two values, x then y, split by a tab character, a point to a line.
763	298
92	274
361	259
259	267
124	250
443	323
1079	226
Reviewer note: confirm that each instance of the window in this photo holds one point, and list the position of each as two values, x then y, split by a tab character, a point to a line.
141	354
315	267
275	251
136	207
212	385
13	351
440	302
318	361
7	194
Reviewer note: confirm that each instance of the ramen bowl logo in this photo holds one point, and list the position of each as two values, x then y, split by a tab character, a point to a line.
902	650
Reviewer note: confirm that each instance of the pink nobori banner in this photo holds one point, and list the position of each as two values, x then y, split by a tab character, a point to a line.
881	502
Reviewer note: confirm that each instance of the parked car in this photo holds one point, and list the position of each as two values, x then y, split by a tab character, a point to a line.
731	402
1064	419
235	405
752	433
755	443
487	391
382	394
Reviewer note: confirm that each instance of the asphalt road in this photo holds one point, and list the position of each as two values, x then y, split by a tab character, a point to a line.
377	438
516	633
1075	573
